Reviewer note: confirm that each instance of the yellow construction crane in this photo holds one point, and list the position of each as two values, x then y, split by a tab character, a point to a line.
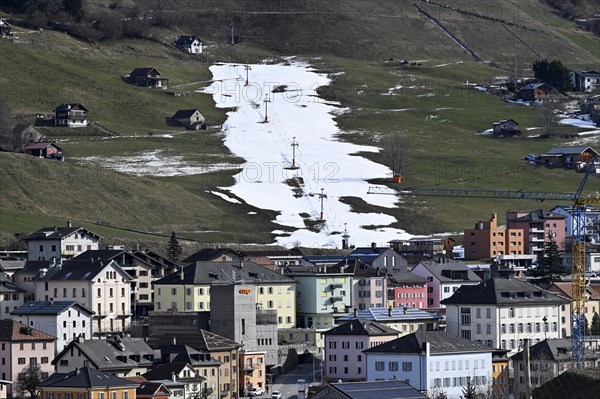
578	221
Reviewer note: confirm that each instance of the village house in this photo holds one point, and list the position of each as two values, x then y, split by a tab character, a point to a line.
501	312
147	77
153	390
5	28
369	286
548	359
103	287
253	371
486	240
417	249
591	306
190	118
87	383
215	255
25	277
60	243
20	348
45	149
11	296
65	320
162	266
536	92
181	379
429	360
189	366
577	158
139	269
539	227
586	80
384	258
444	279
189	44
506	127
190	289
25	134
221	349
70	115
123	357
344	345
405	320
407	289
275	259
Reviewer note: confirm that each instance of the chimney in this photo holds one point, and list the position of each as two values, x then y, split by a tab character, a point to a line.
351	326
69	224
390	311
173	377
174	340
405	310
373	245
181	274
355	312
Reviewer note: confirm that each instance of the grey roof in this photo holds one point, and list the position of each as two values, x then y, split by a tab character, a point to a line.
450	271
34	266
165	371
210	254
113	353
49	308
538	216
361	327
439	342
184	113
7	286
395	389
70	106
117	255
150	388
57	233
504	292
143	71
201	340
12	265
186	354
405	277
569	150
398	314
86	377
185	40
81	269
554	349
532	86
224	273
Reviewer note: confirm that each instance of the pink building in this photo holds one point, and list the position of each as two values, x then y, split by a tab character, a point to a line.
344	344
538	227
369	287
407	289
21	347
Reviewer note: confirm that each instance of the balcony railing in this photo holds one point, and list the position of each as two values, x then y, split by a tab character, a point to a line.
334	286
335	299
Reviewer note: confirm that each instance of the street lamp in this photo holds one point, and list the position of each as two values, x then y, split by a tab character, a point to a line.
545	320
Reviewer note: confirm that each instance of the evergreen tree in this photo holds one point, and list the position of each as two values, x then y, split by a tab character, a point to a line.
469	391
173	248
550	263
595	328
553	73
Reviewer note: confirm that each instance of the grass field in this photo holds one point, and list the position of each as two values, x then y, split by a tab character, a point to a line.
431	102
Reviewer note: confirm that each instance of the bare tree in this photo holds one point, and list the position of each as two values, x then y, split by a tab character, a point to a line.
546	119
395	151
29	380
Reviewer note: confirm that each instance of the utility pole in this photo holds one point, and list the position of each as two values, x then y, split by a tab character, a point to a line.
266	101
527	360
231	25
247	67
321	196
294	145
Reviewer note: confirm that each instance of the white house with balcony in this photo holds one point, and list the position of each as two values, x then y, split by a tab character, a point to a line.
501	312
66	320
60	243
103	287
431	360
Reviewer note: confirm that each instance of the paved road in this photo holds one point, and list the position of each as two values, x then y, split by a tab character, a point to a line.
287	384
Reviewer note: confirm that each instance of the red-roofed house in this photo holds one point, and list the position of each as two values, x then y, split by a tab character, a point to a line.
20	347
45	149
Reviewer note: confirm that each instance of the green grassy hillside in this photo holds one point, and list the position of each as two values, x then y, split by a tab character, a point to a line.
350	38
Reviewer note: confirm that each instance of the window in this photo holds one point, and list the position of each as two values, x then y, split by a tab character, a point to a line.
478	313
466	334
83	292
21	360
359	345
332	344
100	395
465	316
393	366
113	395
99	292
511	312
379	366
406	366
44	360
173	291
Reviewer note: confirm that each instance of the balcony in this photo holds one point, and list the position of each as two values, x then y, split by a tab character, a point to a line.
249	367
335	299
334	286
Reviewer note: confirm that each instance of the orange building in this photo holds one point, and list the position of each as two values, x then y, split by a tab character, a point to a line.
87	383
486	240
252	371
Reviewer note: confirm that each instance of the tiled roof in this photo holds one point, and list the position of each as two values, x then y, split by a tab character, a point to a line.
224	273
14	331
150	388
361	327
86	377
113	353
439	342
406	277
70	106
112	254
49	308
210	254
57	233
186	354
555	350
504	291
12	265
450	271
81	269
165	371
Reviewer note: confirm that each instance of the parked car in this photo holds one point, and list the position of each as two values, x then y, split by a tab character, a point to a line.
530	157
275	395
256	392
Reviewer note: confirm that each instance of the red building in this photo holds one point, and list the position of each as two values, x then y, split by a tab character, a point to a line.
538	228
407	289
